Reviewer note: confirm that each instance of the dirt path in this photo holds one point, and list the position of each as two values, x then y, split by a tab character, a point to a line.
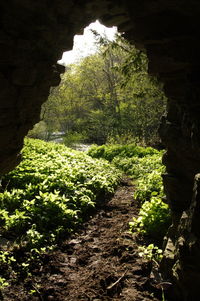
99	263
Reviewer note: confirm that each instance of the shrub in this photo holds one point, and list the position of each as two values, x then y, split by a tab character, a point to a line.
72	138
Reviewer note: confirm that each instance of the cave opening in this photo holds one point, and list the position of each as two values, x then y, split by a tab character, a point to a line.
105	97
169	31
105	94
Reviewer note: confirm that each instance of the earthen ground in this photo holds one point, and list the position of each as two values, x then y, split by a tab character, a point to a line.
98	263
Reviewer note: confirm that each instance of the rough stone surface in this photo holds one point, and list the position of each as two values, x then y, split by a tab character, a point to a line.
33	35
186	266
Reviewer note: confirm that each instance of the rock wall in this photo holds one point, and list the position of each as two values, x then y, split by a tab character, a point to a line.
33	35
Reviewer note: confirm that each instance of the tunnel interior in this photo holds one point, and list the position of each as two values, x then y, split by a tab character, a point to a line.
33	36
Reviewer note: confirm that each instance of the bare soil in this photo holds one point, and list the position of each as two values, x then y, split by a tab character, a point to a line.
98	263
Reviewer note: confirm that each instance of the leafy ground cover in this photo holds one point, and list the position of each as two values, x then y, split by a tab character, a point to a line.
100	261
48	195
145	166
109	152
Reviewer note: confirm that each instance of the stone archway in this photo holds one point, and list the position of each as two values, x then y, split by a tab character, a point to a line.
33	36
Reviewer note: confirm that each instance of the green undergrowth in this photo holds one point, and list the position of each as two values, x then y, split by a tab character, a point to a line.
144	166
109	152
46	197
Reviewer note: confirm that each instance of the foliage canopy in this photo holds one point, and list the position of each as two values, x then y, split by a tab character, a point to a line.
106	96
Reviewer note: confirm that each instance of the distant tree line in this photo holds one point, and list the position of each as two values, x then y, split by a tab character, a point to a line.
108	96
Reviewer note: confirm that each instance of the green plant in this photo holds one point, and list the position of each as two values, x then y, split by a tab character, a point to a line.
46	197
140	168
3	283
72	138
39	131
149	185
145	165
6	257
150	252
154	255
111	151
153	219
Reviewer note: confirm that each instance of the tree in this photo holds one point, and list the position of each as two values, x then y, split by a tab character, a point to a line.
108	94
